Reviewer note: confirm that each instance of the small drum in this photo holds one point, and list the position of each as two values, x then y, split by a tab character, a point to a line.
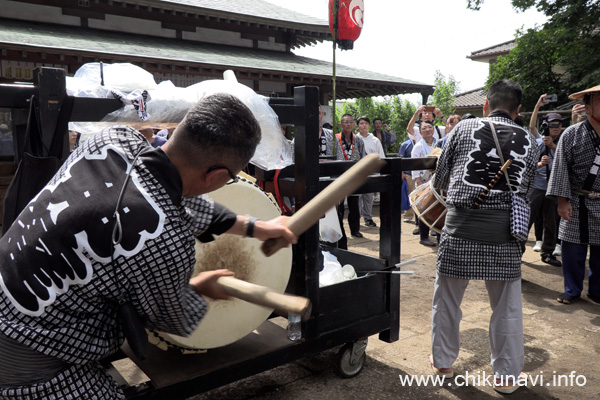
230	320
429	206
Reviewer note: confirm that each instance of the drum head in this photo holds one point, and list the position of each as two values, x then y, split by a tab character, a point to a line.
230	320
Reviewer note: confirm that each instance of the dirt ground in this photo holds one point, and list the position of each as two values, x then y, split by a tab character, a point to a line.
562	343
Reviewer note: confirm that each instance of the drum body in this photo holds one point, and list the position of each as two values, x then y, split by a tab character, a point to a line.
429	205
229	320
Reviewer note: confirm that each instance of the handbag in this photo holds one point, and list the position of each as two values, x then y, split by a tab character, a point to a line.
519	210
34	170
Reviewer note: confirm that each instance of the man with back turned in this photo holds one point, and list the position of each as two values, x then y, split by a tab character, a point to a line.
476	242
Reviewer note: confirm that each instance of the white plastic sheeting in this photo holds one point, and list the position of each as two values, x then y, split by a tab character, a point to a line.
169	104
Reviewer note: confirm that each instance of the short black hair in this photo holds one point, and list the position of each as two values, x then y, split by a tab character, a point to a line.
377	119
504	95
363	118
219	126
426	122
347	115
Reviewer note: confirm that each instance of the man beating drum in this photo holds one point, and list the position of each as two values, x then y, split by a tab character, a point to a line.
116	227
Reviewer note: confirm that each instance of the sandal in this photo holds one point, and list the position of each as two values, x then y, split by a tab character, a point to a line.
508	389
449	373
565	298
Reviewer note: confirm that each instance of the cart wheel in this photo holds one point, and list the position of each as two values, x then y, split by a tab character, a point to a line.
344	367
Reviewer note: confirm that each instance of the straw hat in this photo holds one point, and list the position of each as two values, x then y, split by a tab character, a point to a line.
580	95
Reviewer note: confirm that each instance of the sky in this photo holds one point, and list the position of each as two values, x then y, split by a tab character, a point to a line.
413	39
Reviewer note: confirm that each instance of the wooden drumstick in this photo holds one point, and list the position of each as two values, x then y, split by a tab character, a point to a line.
333	194
263	296
485	192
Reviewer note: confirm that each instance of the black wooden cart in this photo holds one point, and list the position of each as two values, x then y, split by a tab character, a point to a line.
343	315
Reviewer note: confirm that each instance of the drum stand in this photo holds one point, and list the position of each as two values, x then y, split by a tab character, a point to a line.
344	315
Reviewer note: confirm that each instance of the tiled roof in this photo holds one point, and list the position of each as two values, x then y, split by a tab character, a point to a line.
256	8
145	48
499	49
472	98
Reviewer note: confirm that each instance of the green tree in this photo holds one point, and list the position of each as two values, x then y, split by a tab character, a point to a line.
574	29
444	93
532	63
393	111
403	111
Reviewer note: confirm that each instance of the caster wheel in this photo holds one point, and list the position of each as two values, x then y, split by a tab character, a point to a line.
345	366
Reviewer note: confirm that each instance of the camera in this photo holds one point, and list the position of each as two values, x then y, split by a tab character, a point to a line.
544	128
551	98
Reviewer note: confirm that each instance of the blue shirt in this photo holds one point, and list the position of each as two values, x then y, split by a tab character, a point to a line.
540	181
405	149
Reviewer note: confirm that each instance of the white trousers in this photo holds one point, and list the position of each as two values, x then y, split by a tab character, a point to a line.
366	205
505	330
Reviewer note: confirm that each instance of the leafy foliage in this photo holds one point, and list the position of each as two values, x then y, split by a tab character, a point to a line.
445	91
532	63
570	40
393	111
396	113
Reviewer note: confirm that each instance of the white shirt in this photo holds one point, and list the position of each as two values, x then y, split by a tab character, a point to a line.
418	136
421	149
373	145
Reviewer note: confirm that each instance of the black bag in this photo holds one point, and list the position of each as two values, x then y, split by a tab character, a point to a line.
34	170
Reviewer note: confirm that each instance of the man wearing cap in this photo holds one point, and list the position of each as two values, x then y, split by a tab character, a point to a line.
575	182
539	203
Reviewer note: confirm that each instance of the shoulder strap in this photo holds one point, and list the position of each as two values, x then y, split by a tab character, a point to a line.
339	138
499	149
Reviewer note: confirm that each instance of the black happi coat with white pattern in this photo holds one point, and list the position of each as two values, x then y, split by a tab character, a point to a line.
58	289
466	166
577	160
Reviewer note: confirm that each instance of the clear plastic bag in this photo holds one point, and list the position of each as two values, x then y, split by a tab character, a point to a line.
333	272
329	226
121	76
169	104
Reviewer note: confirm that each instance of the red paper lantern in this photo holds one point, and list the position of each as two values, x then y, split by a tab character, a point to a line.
350	22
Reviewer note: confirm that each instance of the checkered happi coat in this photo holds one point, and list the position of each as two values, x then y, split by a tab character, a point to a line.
80	325
573	160
468	163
